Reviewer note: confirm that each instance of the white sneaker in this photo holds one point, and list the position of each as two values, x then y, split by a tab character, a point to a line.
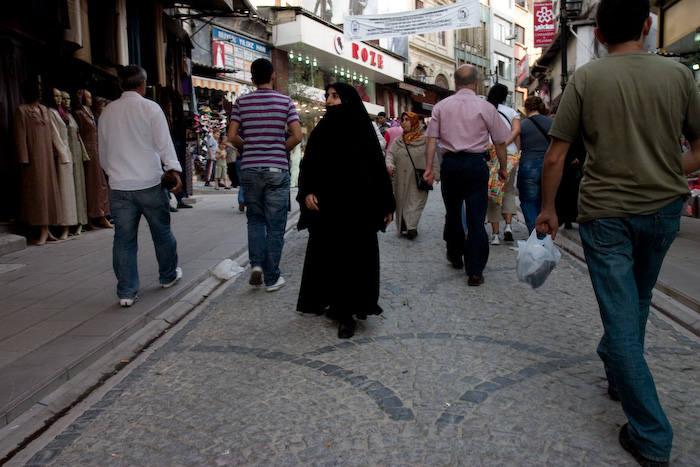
256	276
277	285
508	233
178	276
127	302
495	240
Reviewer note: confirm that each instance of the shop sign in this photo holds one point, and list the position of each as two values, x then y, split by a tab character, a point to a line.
368	56
544	29
236	52
523	71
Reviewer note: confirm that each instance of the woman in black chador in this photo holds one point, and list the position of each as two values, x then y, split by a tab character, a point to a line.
346	197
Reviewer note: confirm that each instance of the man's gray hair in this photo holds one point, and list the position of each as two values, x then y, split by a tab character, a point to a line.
131	77
466	75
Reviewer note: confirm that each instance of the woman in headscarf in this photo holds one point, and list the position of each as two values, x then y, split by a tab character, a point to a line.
345	197
407	152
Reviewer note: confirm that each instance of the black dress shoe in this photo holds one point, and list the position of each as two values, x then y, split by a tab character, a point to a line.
183	206
346	329
475	281
411	234
172	209
456	263
626	442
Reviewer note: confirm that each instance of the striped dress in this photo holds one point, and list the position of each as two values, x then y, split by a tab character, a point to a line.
263	115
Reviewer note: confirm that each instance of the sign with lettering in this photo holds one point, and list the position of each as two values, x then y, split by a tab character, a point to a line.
523	71
236	52
459	15
369	56
544	23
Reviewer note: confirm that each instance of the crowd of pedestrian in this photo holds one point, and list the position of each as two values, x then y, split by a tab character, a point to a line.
628	210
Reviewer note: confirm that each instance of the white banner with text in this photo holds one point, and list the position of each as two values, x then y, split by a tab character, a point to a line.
460	15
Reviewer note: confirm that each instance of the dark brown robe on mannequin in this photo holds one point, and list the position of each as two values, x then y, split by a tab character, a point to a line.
40	202
95	183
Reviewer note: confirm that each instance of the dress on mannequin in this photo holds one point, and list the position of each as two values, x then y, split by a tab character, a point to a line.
96	187
79	154
39	205
64	167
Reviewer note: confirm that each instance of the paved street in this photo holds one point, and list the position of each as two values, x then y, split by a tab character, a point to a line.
449	375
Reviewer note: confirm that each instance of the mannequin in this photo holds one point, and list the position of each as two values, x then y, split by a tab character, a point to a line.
64	165
79	155
95	183
39	203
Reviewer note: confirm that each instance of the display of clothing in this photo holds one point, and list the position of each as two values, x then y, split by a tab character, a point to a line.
64	170
95	183
40	198
79	155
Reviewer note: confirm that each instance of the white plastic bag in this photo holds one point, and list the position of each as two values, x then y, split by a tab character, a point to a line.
226	269
536	259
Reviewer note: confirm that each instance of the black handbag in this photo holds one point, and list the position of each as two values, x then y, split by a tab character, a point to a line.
418	173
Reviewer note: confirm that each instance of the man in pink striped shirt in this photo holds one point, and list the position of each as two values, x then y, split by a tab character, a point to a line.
261	117
463	123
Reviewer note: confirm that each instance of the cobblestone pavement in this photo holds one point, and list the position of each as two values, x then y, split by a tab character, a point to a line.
449	375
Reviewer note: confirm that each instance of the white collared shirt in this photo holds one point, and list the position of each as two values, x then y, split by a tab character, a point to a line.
135	143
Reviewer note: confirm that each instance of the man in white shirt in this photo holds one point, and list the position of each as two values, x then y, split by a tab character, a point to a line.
135	147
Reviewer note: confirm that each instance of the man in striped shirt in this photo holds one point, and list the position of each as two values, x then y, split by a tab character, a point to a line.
261	117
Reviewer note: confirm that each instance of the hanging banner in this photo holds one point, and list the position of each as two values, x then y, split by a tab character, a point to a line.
441	18
544	23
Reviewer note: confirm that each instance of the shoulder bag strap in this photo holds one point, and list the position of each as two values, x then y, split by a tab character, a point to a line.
409	155
505	116
539	127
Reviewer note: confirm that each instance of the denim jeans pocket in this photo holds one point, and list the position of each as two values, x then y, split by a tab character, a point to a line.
607	234
277	180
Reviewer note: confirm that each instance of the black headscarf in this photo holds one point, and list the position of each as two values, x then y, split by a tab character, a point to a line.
344	166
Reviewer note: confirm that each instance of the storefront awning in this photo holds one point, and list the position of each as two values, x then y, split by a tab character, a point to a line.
219	85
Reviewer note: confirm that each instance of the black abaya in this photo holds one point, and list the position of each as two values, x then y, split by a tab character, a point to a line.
344	168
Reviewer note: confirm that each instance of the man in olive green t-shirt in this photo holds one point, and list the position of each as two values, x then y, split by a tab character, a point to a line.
631	108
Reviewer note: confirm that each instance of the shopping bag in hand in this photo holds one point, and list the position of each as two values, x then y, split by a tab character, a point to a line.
536	259
496	186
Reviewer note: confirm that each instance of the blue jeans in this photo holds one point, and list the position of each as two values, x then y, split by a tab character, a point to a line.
266	196
127	209
530	188
465	182
239	161
624	256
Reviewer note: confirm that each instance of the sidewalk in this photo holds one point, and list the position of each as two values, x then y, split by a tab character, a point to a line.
60	311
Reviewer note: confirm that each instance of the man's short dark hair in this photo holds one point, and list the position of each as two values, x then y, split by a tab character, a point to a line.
131	77
261	71
621	20
381	114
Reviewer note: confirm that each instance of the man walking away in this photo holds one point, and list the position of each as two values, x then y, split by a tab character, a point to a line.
463	123
135	146
261	116
630	199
